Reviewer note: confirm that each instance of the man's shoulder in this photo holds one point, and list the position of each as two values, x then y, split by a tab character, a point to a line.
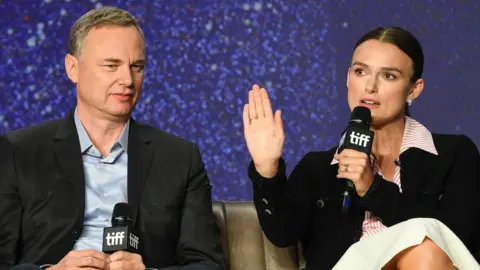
159	136
33	134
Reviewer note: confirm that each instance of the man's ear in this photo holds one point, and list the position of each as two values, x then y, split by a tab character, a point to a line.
71	67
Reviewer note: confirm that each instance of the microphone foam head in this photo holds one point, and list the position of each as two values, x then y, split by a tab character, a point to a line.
122	214
361	114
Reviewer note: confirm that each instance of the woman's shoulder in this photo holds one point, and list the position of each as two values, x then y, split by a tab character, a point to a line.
319	158
454	143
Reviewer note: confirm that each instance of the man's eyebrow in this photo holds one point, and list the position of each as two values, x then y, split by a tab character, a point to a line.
139	62
113	60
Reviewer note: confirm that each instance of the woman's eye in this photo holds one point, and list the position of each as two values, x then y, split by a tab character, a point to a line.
389	76
360	72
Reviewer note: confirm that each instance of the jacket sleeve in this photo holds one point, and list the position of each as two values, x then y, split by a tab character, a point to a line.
10	207
199	243
283	205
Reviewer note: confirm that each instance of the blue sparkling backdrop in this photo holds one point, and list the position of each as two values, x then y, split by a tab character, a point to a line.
203	57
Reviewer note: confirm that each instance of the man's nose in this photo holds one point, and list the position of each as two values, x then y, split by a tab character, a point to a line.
125	76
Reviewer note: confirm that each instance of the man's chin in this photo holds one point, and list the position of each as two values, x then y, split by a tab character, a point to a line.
121	113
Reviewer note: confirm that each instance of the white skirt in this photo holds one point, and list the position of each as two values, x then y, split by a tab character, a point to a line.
377	250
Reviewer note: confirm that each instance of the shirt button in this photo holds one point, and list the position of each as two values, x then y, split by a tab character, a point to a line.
265	201
268	212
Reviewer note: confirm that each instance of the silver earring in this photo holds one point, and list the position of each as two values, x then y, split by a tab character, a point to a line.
409	102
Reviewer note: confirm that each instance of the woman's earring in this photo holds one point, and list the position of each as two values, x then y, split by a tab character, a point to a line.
409	102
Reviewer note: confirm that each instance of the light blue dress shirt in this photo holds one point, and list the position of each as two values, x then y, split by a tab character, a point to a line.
105	185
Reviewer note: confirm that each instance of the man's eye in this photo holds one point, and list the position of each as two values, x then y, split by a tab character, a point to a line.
138	68
110	67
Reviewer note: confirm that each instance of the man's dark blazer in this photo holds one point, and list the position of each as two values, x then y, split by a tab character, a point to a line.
307	207
42	197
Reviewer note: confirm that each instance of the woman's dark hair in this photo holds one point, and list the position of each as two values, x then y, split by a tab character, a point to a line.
405	41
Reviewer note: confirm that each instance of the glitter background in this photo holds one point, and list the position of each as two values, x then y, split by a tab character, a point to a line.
203	56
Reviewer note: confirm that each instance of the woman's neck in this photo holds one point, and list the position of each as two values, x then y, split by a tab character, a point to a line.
388	139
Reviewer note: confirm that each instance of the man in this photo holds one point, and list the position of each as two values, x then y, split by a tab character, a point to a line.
60	180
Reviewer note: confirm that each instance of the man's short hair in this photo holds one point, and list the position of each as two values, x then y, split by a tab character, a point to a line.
96	18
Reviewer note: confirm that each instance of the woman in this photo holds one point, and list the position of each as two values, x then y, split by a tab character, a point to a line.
411	173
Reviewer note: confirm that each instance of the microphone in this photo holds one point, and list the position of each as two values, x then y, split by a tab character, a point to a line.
359	137
121	236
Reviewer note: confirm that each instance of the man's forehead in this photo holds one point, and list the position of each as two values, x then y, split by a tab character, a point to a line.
110	44
114	35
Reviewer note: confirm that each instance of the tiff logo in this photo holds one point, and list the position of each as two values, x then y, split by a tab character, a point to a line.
134	241
115	238
359	139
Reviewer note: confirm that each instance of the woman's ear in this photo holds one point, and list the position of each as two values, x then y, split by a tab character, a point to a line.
348	76
415	90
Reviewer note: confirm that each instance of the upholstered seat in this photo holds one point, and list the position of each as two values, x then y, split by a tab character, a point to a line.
245	245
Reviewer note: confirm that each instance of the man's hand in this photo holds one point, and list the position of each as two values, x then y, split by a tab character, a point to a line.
83	259
122	260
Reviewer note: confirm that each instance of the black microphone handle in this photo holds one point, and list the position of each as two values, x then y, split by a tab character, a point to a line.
347	195
357	137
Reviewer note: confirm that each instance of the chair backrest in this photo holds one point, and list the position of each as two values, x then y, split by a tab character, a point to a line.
245	245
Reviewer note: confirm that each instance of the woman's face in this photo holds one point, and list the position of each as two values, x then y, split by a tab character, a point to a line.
379	78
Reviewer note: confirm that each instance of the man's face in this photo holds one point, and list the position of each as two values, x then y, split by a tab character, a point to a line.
109	70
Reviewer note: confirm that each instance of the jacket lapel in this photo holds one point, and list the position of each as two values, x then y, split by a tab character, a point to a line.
68	156
415	169
140	155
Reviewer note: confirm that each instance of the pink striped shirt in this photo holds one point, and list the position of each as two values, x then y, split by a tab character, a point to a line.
414	136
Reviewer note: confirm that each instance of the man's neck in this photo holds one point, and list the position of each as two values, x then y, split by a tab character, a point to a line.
103	132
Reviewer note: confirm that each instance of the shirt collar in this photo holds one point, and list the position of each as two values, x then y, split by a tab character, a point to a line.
415	135
86	143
